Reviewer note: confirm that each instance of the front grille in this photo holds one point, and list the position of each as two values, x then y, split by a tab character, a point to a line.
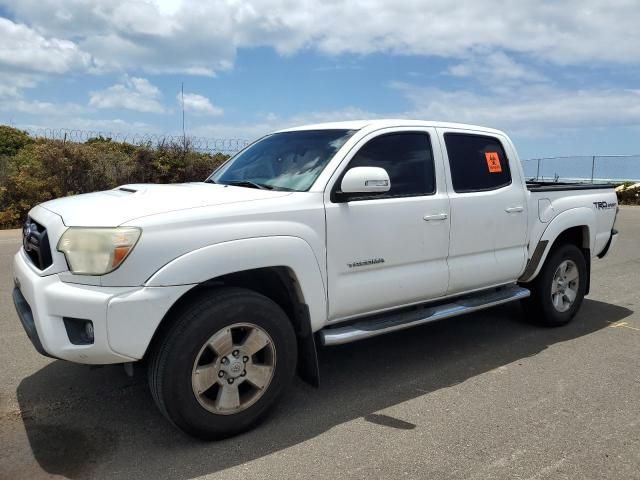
36	244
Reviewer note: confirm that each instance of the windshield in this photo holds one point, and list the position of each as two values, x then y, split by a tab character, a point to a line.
283	161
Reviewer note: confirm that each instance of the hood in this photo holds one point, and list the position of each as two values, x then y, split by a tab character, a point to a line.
115	207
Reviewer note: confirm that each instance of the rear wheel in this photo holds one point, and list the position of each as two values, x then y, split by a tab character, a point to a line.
558	290
224	363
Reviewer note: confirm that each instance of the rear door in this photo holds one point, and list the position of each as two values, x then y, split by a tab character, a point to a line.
387	250
488	211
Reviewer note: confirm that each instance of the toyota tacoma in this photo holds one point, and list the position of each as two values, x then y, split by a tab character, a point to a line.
318	235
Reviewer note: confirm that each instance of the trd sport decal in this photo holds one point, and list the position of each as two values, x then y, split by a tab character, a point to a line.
604	205
364	263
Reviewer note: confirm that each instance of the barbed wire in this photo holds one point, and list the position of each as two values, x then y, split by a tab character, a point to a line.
199	144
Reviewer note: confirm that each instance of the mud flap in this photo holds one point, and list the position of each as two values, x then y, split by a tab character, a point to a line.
308	368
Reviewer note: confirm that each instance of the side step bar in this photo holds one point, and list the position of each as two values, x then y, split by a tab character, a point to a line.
391	322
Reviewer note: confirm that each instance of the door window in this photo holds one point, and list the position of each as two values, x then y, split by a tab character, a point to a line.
408	159
477	163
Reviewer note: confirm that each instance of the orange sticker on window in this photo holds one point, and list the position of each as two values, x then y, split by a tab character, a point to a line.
493	162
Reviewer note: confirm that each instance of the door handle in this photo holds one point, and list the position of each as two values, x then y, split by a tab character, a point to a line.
514	209
437	216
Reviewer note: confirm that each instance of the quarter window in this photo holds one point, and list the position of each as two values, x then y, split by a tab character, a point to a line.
408	159
477	163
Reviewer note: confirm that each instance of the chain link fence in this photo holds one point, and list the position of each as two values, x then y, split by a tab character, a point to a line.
587	168
199	144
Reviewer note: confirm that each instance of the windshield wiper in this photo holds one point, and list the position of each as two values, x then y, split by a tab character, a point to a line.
250	184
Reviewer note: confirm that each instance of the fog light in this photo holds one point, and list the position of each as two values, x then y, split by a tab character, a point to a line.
88	330
79	330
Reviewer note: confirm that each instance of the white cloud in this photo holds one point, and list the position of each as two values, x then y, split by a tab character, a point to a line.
500	47
495	68
526	109
25	50
201	38
27	57
199	104
39	108
134	93
12	83
195	38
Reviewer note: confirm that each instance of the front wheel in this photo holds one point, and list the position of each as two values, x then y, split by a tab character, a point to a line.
224	363
558	290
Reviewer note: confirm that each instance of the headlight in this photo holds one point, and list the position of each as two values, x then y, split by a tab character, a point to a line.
96	251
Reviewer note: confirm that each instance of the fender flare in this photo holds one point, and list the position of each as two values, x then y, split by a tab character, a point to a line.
574	217
213	261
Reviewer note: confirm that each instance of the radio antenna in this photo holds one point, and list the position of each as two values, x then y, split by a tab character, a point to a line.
184	134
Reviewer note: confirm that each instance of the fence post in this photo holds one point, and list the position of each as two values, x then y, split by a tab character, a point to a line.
593	167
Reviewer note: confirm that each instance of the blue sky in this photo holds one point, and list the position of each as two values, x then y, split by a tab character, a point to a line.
560	77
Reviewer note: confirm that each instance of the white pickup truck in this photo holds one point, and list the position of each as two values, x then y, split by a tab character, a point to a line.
323	234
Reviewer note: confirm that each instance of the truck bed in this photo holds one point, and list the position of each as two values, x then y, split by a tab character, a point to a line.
538	186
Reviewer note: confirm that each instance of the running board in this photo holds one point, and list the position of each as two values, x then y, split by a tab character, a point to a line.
391	322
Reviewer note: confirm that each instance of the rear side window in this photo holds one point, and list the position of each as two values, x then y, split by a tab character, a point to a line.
478	163
407	158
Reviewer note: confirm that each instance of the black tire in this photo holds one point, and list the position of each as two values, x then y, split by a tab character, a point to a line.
539	307
172	361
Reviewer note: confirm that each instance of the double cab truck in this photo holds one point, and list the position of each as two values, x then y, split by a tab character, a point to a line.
318	235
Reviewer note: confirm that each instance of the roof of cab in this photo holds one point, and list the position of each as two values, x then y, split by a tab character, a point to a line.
387	123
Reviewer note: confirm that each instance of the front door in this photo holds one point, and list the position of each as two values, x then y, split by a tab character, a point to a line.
388	250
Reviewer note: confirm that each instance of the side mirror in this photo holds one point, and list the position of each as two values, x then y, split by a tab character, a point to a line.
365	180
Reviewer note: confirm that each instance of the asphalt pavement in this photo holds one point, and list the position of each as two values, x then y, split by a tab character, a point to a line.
481	396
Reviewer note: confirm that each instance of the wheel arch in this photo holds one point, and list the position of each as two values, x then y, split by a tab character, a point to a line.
574	226
283	269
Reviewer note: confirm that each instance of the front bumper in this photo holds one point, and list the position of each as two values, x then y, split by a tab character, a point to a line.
26	318
124	318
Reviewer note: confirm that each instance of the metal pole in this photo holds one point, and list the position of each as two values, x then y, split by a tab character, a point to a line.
538	171
593	167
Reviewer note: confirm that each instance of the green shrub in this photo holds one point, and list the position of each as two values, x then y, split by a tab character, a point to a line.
629	193
12	140
34	171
